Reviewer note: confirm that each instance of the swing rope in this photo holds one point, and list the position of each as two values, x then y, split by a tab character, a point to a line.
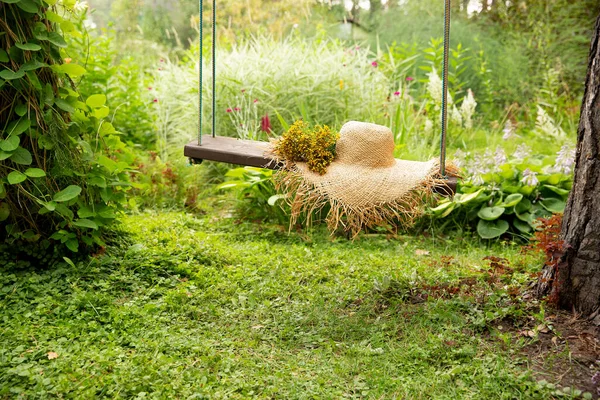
444	113
445	89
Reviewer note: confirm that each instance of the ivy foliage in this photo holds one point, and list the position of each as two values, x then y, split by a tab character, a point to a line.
63	169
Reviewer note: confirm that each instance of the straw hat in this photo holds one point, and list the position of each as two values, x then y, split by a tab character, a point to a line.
364	185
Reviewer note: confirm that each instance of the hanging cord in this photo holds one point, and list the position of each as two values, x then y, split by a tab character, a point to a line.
445	88
214	68
200	78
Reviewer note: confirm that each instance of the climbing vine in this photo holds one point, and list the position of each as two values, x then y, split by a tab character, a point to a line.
63	168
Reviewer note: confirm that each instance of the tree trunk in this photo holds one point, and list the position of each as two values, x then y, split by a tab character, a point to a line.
575	281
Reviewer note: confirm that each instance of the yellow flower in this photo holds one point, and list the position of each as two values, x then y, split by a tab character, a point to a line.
341	84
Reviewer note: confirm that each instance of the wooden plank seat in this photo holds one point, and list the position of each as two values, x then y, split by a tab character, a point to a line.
255	154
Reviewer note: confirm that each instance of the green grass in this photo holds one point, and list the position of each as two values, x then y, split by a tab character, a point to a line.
202	307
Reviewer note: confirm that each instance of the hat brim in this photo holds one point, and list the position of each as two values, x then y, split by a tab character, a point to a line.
358	186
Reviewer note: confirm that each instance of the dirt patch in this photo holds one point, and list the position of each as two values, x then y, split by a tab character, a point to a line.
563	350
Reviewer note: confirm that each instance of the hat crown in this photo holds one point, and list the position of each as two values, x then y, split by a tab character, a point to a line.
365	144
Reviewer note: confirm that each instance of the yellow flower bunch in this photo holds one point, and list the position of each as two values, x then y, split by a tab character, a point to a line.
314	146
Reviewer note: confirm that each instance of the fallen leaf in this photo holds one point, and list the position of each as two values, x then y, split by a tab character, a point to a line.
543	328
555	340
420	252
258	326
52	355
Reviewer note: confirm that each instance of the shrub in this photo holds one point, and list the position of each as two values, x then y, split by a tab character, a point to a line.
64	169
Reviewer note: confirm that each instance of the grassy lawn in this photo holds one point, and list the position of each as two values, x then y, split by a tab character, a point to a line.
201	307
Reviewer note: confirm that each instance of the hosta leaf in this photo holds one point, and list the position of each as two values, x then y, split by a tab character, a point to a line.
491	229
525	217
10	144
490	213
557	190
553	205
21	156
522	226
96	100
273	199
85	223
8	75
523	206
4	211
512	200
466	198
16	177
29	46
35	173
67	194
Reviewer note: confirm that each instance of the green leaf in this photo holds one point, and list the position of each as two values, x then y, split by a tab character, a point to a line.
522	226
101	112
525	217
64	105
16	177
21	156
18	127
490	213
9	75
21	110
553	205
67	194
523	206
9	1
273	199
557	190
85	223
3	56
468	197
28	6
50	206
96	100
86	212
73	245
48	94
491	229
512	200
73	70
4	155
10	144
33	65
35	173
29	46
64	211
4	212
56	39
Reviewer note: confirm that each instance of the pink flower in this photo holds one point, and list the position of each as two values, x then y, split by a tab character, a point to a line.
357	47
374	63
243	90
410	78
344	65
255	101
149	88
160	69
161	60
236	109
229	110
155	100
396	93
265	124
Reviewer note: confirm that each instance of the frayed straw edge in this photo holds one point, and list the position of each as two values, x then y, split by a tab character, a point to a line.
305	199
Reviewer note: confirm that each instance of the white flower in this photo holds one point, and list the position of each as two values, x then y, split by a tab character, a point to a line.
509	130
455	116
529	178
522	152
467	109
546	125
459	158
434	87
477	180
500	156
428	126
565	160
80	6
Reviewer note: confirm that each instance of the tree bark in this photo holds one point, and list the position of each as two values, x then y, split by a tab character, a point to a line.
575	281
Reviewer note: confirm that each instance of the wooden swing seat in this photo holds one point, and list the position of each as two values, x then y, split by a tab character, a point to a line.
253	153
